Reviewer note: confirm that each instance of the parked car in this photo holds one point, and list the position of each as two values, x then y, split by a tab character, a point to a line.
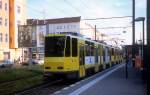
6	63
31	61
39	61
36	61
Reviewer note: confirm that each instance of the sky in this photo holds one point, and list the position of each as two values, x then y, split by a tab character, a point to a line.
42	9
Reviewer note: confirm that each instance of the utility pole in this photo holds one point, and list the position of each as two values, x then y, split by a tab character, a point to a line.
133	22
133	31
44	16
95	32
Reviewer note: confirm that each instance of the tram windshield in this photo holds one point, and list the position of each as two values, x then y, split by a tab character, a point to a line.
54	46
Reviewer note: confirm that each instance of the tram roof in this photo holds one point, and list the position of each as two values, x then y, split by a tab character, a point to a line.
81	38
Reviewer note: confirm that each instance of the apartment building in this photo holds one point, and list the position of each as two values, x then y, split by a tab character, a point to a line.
12	14
4	29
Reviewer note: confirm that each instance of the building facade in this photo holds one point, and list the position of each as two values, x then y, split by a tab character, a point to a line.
58	26
72	24
12	14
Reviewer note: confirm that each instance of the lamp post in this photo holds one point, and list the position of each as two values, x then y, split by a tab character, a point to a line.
133	22
143	21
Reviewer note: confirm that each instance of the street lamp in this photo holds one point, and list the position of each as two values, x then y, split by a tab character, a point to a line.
143	21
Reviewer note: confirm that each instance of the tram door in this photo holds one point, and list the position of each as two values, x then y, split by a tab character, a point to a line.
81	61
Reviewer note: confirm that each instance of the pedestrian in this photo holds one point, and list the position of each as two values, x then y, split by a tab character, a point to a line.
126	66
127	59
138	64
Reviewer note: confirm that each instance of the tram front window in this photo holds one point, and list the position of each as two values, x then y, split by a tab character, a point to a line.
54	46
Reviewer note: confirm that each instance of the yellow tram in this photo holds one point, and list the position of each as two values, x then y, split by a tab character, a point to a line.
76	57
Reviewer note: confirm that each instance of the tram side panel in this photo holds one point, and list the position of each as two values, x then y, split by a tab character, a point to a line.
89	58
107	57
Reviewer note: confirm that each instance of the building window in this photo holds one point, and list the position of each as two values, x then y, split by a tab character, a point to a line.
0	4
1	37
60	27
0	20
6	37
5	6
68	26
5	22
18	9
57	27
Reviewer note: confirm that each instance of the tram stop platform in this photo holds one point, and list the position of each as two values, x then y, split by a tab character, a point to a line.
112	81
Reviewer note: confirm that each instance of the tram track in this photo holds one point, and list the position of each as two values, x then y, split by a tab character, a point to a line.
36	90
47	88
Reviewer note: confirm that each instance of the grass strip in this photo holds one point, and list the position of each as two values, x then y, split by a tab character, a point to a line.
14	74
20	85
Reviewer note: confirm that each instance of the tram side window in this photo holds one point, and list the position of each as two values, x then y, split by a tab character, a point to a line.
109	51
115	52
67	51
96	55
104	54
92	50
100	51
87	48
112	52
74	47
